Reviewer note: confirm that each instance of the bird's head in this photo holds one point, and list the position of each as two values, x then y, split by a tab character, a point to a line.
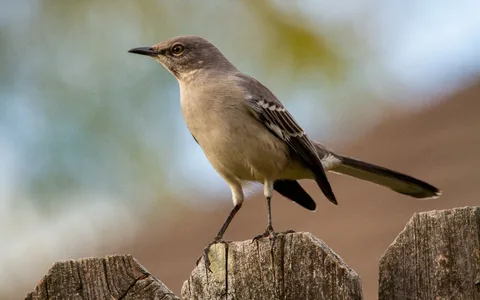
185	55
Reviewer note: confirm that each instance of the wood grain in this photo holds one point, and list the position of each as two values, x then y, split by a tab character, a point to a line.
112	277
300	266
436	256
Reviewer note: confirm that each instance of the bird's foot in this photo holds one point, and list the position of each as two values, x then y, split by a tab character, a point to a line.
206	259
269	232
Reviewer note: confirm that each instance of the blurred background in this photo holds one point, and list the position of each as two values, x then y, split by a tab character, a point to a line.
95	158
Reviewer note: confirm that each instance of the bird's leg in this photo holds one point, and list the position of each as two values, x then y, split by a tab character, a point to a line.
237	197
268	191
219	237
269	232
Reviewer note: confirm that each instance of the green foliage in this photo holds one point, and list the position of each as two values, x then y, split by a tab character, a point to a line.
295	42
107	121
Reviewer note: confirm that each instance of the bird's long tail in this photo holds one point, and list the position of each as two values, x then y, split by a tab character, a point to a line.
396	181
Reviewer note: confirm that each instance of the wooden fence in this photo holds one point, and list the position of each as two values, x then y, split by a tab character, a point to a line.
436	256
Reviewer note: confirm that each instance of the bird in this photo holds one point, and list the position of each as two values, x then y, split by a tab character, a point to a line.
248	135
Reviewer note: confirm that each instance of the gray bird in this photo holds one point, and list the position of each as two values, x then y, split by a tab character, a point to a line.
248	135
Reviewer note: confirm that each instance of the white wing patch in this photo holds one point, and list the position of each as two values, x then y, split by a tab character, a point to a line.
270	106
282	133
277	119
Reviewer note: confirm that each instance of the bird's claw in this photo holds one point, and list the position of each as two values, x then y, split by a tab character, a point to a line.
206	259
269	232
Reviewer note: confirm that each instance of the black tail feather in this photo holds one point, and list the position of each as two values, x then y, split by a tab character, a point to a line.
292	190
323	183
396	181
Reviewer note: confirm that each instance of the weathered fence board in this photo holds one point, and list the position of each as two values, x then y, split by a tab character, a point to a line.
299	267
436	256
112	277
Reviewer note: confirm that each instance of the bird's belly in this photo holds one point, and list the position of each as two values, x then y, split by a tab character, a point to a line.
244	151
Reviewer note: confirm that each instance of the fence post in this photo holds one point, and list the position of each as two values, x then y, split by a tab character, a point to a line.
436	256
112	277
299	266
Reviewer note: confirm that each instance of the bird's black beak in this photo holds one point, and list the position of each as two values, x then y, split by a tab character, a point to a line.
149	51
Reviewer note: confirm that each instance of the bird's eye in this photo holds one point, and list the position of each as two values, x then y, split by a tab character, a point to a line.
177	49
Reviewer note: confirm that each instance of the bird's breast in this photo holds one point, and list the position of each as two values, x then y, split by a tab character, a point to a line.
234	142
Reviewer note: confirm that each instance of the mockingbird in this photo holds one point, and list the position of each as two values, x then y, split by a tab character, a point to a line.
248	135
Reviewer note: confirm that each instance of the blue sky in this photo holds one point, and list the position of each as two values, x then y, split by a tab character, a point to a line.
423	49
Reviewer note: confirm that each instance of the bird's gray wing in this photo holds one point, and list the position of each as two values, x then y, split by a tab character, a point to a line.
270	111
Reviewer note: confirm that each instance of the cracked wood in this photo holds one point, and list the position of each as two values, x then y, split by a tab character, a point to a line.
436	256
112	277
299	267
